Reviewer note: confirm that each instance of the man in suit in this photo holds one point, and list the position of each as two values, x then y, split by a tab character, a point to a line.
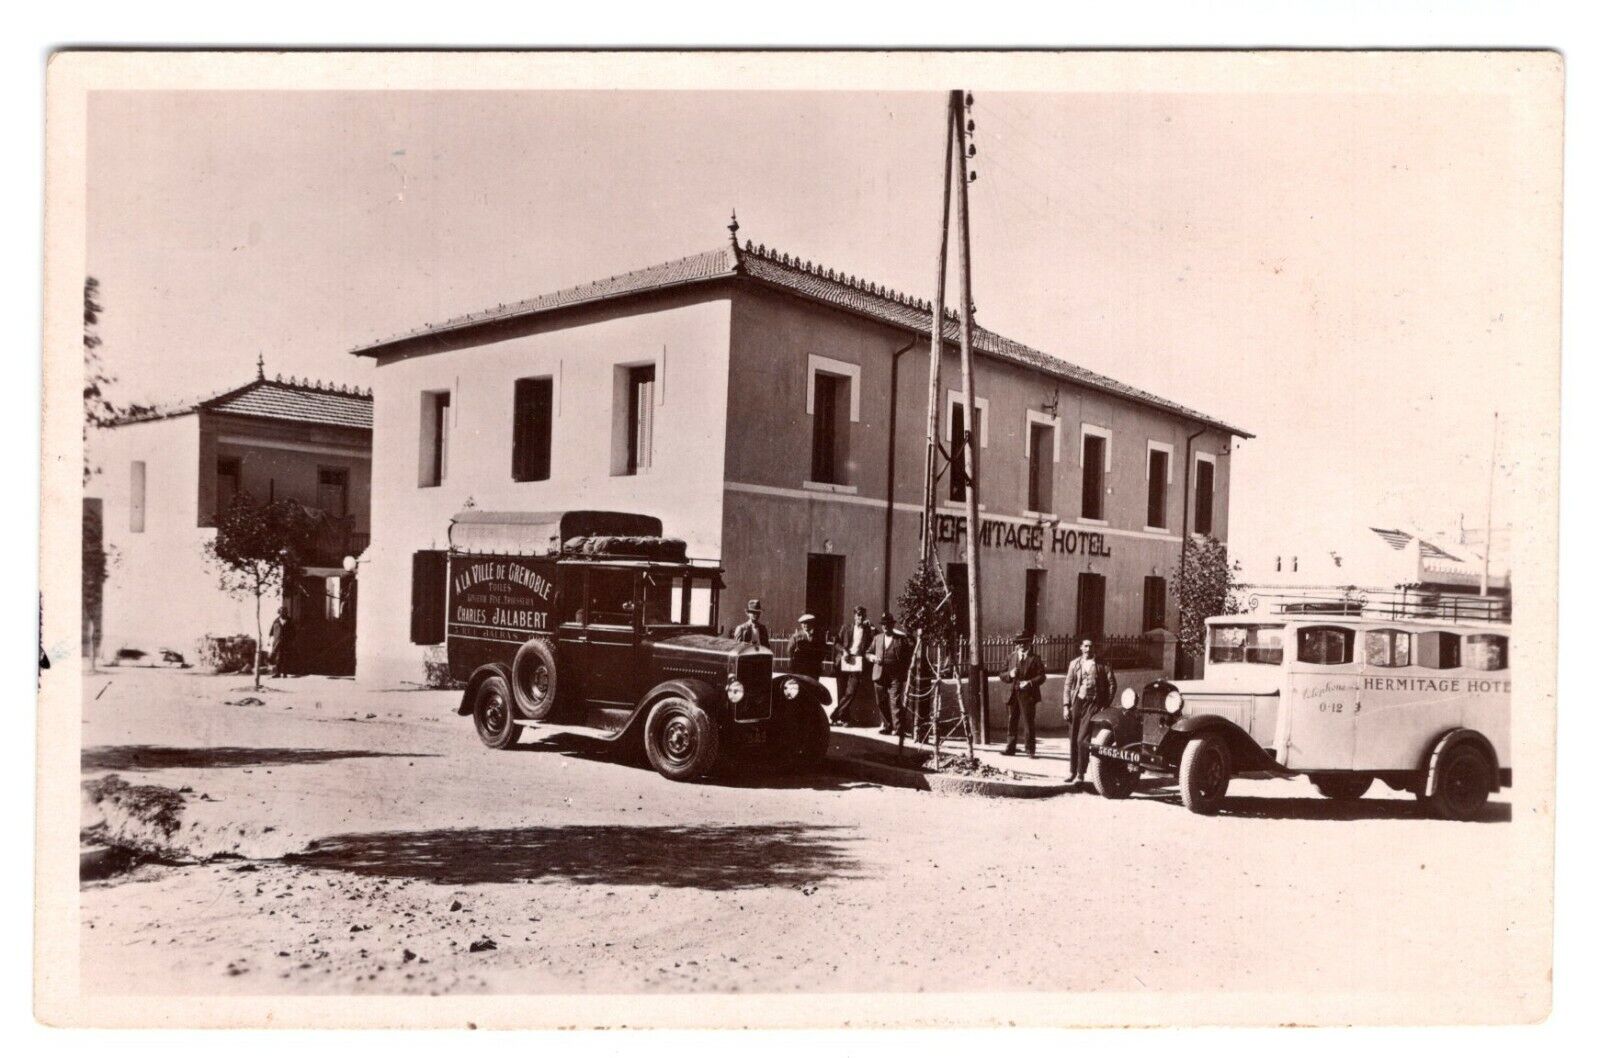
1090	687
805	648
1026	676
855	640
890	656
753	631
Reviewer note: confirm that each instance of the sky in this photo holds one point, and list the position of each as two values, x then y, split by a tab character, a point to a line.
1331	272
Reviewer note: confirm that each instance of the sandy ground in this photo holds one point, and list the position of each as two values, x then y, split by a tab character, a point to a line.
382	844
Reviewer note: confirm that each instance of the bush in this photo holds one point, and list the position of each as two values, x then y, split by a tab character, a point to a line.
221	654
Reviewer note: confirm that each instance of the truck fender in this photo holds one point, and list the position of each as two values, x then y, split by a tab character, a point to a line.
483	672
1457	736
698	691
1246	752
811	689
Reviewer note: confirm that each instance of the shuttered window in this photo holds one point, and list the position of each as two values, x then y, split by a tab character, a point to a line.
428	583
534	404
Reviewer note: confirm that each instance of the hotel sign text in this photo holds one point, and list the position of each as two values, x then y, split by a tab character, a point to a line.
1013	536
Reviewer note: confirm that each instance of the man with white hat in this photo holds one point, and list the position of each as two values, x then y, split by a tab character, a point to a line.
806	649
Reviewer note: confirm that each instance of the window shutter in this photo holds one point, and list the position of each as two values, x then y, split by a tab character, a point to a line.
428	573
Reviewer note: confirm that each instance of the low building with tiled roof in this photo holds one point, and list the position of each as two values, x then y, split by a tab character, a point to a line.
771	411
162	474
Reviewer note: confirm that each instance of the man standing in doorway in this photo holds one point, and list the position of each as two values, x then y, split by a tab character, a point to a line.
891	657
855	639
1026	676
1090	687
753	631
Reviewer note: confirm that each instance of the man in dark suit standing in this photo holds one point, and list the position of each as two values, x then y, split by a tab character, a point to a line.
805	648
853	644
1090	687
753	631
1026	676
891	658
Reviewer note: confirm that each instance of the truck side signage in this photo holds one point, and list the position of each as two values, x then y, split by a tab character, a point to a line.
503	598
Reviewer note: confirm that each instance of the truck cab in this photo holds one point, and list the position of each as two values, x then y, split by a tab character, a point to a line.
598	622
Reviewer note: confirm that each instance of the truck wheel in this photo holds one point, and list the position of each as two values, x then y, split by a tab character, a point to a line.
1111	778
1462	786
1203	774
1342	787
810	733
491	713
533	679
681	740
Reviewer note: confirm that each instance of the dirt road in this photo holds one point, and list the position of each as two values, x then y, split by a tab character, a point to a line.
387	851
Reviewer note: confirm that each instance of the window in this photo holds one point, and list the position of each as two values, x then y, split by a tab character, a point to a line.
428	596
229	473
1438	650
1041	465
1096	460
136	496
1247	644
1155	603
434	449
1326	645
608	597
1158	472
825	590
333	597
830	428
333	490
1387	648
533	409
1205	483
957	438
1032	598
1091	606
1487	653
641	417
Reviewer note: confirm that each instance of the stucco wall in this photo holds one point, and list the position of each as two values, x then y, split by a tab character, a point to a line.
280	460
686	337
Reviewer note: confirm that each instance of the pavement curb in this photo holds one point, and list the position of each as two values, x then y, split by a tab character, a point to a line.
856	767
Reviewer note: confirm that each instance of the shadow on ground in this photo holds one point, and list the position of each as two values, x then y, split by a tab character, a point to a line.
690	857
1315	808
747	771
154	758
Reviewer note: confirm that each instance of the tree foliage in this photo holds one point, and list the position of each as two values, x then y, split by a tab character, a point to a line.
925	606
255	547
1205	589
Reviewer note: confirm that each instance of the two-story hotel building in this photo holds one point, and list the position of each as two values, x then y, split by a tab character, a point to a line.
771	411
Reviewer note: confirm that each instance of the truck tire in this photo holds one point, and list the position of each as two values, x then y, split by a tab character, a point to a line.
1342	787
533	679
1203	774
681	740
809	734
1111	779
1461	788
491	713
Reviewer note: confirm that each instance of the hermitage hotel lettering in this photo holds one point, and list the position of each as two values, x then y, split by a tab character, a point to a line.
1022	537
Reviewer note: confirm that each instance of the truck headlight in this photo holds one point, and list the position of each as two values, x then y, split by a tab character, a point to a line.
1130	698
791	689
1174	701
735	691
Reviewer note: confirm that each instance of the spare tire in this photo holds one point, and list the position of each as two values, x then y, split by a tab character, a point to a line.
533	680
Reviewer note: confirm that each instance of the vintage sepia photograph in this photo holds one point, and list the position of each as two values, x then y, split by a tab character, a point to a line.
799	539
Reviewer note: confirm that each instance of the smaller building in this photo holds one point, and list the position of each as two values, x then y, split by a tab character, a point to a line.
160	478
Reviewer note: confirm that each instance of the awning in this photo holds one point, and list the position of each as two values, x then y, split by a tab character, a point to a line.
540	532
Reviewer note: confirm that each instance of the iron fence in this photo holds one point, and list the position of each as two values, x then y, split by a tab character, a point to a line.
1057	652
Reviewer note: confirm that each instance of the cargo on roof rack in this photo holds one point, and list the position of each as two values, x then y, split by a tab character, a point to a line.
650	548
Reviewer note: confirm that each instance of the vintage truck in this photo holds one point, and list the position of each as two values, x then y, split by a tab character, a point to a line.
593	619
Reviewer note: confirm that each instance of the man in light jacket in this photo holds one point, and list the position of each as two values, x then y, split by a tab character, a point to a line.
1090	687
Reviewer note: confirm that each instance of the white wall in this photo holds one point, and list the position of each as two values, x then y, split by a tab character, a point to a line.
683	487
160	591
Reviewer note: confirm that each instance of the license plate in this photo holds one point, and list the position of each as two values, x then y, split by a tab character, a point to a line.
1131	756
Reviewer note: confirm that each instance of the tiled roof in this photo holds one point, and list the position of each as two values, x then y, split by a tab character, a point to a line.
812	282
320	403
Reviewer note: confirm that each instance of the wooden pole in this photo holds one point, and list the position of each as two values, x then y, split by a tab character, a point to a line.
936	342
968	447
1488	507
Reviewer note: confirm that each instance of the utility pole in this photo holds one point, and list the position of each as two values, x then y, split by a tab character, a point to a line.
1488	508
968	448
936	346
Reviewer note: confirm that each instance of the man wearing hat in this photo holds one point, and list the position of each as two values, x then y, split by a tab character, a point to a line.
855	640
805	648
1091	686
753	631
891	657
1026	676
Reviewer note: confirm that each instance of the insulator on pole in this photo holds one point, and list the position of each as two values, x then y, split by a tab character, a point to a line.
972	177
972	150
972	126
969	99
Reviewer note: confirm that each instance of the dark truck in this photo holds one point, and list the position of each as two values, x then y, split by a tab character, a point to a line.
594	619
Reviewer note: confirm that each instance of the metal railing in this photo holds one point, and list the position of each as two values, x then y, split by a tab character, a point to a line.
1401	603
1057	652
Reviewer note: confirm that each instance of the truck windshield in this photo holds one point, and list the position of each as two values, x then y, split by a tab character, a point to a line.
1247	644
685	597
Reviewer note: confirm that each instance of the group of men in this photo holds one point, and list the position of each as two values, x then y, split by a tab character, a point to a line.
876	660
867	660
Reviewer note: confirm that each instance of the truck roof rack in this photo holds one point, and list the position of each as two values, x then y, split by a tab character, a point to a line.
1401	603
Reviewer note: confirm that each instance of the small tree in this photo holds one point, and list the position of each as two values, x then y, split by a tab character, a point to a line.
1205	589
925	606
255	546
